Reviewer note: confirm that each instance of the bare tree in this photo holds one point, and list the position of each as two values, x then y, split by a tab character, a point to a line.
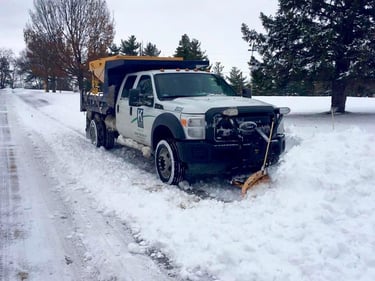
24	71
85	28
43	59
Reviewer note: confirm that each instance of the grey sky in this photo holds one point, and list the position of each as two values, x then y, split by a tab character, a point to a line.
216	24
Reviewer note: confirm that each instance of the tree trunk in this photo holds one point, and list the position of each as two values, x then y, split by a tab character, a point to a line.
46	85
54	84
2	80
80	81
338	99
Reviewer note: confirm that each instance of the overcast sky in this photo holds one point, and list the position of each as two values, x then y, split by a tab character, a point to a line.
215	23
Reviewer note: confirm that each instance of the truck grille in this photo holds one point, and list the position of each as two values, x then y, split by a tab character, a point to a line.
243	128
239	128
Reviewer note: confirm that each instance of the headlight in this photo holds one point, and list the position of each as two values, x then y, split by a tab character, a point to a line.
284	110
194	126
230	112
195	122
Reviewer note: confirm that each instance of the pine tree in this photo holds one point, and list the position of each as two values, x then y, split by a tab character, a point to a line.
130	47
218	69
183	49
195	50
236	80
316	41
5	59
190	49
114	50
150	50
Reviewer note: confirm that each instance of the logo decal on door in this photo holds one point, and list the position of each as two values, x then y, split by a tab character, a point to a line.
140	117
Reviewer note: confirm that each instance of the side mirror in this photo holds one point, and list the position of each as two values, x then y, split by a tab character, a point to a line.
246	92
134	97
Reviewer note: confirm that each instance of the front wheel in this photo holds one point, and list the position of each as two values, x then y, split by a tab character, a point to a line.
168	166
109	140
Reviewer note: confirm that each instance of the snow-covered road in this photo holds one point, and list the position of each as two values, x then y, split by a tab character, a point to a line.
47	233
74	212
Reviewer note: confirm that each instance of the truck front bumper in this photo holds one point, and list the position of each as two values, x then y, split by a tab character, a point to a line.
211	158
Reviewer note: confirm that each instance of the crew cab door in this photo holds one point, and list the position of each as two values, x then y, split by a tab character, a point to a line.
123	110
143	110
135	121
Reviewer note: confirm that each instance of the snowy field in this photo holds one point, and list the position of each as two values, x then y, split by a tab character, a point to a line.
315	220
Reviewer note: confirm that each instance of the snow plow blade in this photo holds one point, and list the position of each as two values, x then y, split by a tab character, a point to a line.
261	175
254	179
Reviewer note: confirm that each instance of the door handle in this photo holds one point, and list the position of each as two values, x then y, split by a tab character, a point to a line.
118	108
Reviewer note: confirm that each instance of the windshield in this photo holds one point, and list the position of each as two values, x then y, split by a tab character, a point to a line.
174	85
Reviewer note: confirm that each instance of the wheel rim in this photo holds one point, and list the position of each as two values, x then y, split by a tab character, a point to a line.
164	163
93	132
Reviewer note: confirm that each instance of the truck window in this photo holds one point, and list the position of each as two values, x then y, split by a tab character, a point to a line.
128	85
145	89
144	85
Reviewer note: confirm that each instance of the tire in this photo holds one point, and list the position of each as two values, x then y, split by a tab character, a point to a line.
109	140
96	132
87	128
168	166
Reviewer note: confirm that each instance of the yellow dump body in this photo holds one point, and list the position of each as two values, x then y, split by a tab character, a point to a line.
109	72
97	67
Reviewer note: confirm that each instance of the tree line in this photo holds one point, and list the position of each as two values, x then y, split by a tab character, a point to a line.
64	35
309	47
315	47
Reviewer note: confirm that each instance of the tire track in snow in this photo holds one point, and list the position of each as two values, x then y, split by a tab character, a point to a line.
25	206
37	103
109	257
10	228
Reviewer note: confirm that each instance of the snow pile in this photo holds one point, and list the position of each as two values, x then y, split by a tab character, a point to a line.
314	221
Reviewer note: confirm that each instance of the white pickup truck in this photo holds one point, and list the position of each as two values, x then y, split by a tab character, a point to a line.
193	122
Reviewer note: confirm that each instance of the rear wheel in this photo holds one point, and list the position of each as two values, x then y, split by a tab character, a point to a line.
96	132
168	166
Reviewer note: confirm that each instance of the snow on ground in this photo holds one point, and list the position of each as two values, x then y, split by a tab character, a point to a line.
314	221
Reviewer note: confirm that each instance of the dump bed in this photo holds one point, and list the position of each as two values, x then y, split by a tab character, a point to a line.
108	74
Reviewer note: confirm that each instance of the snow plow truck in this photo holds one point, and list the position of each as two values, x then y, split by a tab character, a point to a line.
191	120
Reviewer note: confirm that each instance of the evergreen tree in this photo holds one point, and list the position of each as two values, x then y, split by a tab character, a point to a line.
150	50
218	69
310	41
5	72
236	80
190	49
183	49
195	50
130	47
114	50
